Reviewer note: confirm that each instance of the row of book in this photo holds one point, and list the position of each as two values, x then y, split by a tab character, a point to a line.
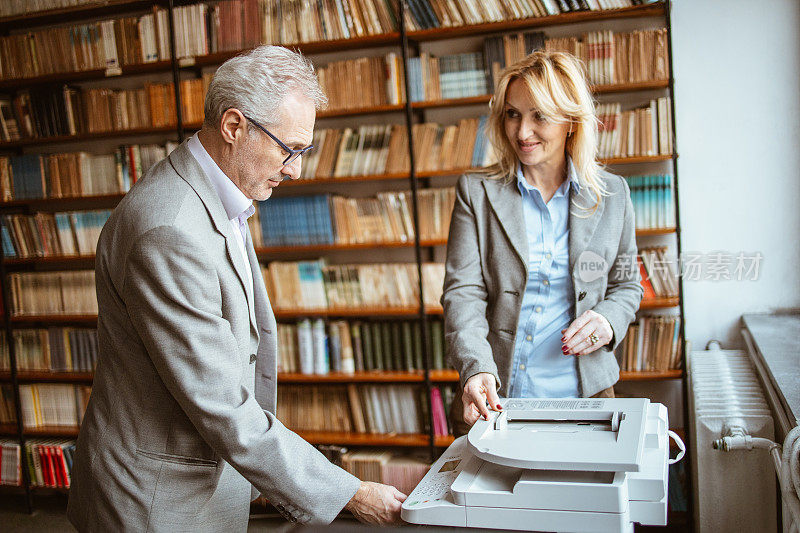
450	76
76	174
10	8
379	81
615	58
49	462
53	405
51	350
457	146
331	219
653	343
72	111
293	286
10	463
653	201
113	44
235	25
609	58
108	44
52	293
308	220
239	24
427	14
383	149
659	273
53	234
375	409
309	286
644	131
317	347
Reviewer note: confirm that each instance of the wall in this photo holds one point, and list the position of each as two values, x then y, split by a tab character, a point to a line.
737	93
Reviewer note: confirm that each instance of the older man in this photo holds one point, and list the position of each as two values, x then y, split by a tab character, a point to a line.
181	422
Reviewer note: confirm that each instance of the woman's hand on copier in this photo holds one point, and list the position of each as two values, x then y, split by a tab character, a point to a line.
479	390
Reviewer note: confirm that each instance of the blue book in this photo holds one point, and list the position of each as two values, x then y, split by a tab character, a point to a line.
8	245
669	203
327	220
312	230
648	203
299	222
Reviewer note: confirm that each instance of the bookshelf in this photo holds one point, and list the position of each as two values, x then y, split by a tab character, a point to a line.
417	251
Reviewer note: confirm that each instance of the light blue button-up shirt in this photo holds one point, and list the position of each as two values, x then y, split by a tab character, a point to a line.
539	368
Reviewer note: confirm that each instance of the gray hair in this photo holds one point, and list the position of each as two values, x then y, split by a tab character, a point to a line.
258	82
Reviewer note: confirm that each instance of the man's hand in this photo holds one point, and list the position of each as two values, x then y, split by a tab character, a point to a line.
478	390
374	503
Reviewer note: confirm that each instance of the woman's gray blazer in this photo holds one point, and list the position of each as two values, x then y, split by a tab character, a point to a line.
487	269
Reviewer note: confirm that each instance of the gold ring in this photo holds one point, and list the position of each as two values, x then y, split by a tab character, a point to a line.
593	338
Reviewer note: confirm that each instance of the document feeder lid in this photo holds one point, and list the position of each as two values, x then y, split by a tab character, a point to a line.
605	435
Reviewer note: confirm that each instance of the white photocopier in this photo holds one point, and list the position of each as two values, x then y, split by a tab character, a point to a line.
553	465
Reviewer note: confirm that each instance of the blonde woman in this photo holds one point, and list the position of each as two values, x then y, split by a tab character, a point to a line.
541	279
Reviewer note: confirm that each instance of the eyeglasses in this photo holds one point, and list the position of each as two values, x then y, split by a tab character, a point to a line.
293	154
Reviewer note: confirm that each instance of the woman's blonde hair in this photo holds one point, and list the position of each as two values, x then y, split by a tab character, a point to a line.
558	87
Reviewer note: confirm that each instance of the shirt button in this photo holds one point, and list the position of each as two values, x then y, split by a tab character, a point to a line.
545	282
548	255
522	367
538	309
528	338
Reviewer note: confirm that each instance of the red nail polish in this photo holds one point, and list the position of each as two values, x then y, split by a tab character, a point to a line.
499	406
563	338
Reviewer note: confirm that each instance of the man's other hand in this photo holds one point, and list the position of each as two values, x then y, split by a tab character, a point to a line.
375	503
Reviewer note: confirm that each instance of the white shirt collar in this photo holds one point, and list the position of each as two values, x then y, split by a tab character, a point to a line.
571	181
233	200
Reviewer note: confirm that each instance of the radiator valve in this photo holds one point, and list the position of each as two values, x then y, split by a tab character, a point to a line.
734	442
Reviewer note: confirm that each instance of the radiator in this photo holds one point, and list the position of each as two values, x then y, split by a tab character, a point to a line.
732	491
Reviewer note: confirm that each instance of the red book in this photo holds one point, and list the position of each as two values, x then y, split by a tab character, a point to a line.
438	416
649	293
61	466
47	469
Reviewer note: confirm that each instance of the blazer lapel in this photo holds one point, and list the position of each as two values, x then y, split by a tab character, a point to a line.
263	316
582	223
189	169
506	202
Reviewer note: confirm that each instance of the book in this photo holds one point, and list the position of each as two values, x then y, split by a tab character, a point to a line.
377	409
646	130
54	234
384	346
333	219
652	343
376	78
653	201
55	349
313	285
52	293
53	405
661	271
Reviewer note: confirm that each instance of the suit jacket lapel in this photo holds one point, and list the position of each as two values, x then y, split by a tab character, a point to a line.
189	169
264	317
506	202
582	223
267	328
